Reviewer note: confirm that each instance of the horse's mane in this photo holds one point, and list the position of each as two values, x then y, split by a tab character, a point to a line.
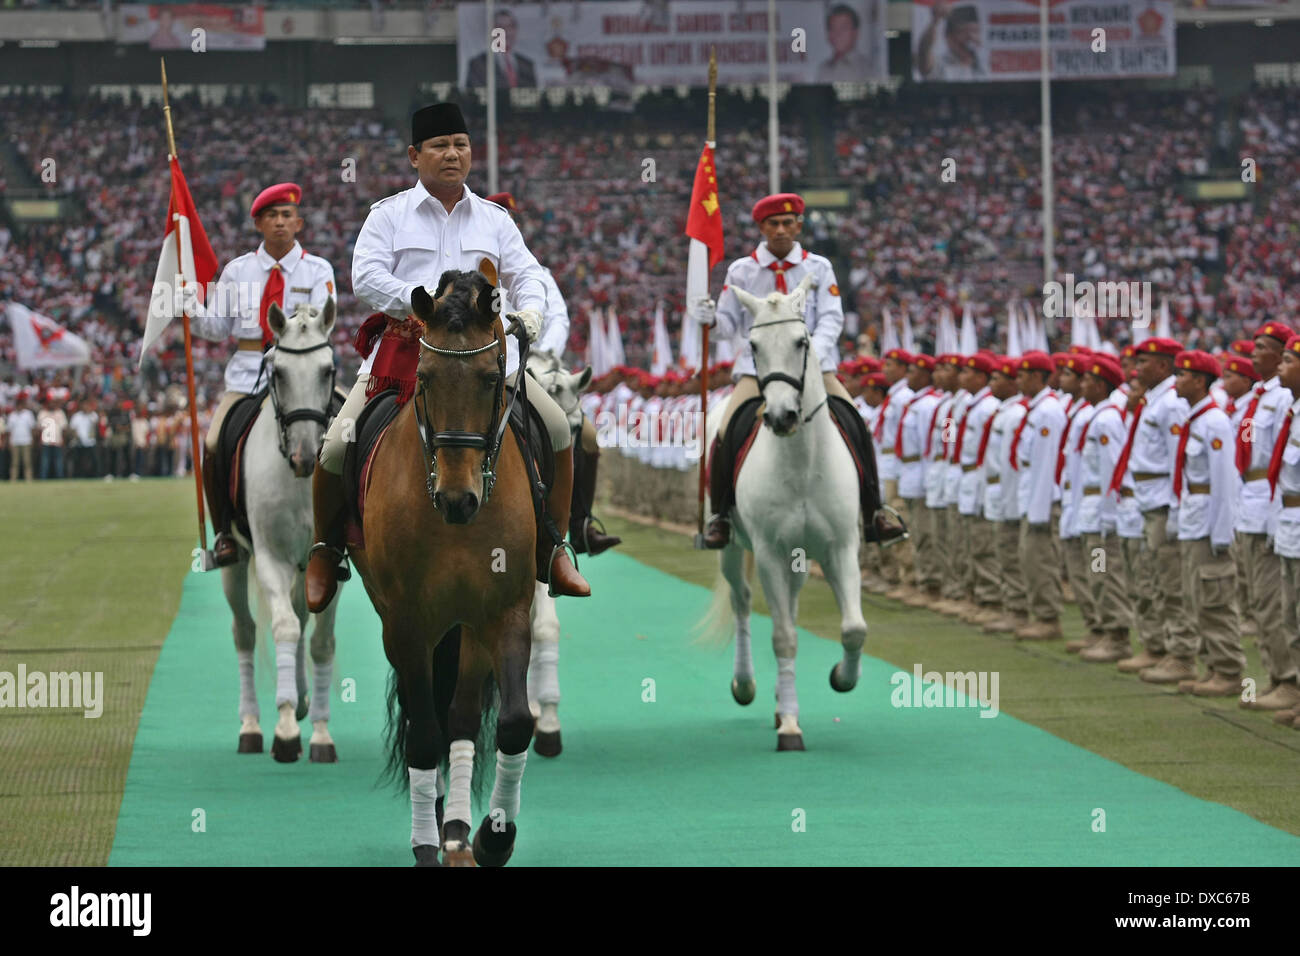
461	306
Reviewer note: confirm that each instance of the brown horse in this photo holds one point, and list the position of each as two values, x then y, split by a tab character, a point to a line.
449	564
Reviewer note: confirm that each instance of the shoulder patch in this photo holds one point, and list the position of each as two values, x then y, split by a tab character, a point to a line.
834	289
1173	429
329	286
1045	431
1104	439
1216	443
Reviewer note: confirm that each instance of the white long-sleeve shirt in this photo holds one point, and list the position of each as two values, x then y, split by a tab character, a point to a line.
1255	506
410	239
885	429
936	468
822	309
1154	448
1286	533
1040	440
1104	437
1000	479
1210	466
915	422
1071	483
970	490
235	307
952	469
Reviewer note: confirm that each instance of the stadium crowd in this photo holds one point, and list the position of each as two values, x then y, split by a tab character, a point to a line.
610	226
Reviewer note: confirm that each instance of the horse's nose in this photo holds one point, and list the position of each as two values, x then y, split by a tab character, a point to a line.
456	508
302	464
782	422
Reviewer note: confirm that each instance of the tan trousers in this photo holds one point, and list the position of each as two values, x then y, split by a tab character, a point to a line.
587	437
1011	584
1040	561
1210	591
983	578
1160	583
218	416
1290	570
1078	560
1107	579
1260	568
20	459
956	549
923	522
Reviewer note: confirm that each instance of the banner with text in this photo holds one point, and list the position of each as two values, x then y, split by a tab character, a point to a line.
174	26
982	40
666	42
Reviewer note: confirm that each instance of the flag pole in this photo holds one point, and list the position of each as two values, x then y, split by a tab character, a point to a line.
704	329
189	354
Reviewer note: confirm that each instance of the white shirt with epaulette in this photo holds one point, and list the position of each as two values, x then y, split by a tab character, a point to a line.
235	307
1286	532
1255	506
1210	479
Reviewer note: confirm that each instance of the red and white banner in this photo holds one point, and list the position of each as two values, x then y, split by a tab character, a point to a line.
170	26
188	265
975	41
42	343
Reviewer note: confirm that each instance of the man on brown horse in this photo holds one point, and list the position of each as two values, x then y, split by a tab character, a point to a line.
410	239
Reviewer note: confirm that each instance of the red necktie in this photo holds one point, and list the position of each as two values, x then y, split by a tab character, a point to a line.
929	436
1065	435
1015	439
274	292
1180	458
1243	446
1121	466
898	436
984	440
880	420
1275	463
779	268
961	435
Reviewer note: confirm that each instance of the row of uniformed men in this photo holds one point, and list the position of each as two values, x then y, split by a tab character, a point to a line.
1168	484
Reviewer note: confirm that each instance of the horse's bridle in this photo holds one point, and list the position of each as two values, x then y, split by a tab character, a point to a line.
284	419
489	441
790	379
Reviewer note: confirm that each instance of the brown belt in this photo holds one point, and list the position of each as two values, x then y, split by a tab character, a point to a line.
909	459
1255	474
1126	492
1091	490
1065	487
995	479
969	467
1291	501
1149	475
1198	488
250	345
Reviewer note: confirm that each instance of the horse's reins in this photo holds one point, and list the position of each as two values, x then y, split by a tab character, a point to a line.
490	440
284	419
790	379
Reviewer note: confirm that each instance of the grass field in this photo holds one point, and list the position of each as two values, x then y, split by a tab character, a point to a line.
92	580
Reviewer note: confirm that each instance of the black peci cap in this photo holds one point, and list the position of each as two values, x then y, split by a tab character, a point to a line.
439	119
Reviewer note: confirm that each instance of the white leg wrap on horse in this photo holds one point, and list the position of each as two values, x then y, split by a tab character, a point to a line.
247	690
460	770
424	819
300	667
547	686
786	700
505	792
322	677
744	653
286	669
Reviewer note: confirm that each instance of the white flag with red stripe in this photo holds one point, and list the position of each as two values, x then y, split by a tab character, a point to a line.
41	342
184	264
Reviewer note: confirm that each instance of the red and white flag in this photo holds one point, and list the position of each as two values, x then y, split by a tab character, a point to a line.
704	226
193	266
42	343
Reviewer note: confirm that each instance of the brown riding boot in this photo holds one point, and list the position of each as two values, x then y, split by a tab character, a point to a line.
225	550
327	505
586	533
560	573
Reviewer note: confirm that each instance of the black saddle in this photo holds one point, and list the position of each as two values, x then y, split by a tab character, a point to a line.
863	449
230	454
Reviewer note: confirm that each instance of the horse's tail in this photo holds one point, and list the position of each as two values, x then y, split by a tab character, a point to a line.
395	738
485	748
718	625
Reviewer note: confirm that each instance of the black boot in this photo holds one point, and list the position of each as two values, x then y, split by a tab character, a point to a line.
718	533
225	550
586	533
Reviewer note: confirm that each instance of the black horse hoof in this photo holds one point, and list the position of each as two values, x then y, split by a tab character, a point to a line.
492	847
742	692
426	855
456	850
304	705
835	683
789	742
547	743
324	753
286	751
250	743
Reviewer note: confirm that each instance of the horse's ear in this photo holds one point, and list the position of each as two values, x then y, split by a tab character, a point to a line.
584	378
328	315
275	319
751	303
422	304
488	270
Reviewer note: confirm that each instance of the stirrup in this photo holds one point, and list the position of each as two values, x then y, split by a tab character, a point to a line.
562	546
586	532
896	539
344	570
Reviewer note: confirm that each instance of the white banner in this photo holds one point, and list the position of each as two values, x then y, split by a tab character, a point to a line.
666	42
41	342
982	40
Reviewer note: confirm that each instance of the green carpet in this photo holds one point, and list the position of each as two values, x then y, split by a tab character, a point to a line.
688	779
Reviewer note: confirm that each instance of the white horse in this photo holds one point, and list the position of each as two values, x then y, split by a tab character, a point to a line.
797	500
279	457
543	665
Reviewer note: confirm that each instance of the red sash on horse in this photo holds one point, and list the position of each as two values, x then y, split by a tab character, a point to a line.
398	356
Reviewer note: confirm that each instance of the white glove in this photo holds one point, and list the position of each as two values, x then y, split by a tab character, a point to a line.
531	320
703	310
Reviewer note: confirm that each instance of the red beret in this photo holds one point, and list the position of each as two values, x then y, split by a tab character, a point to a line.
870	363
949	358
1197	361
1059	359
1275	330
1244	346
921	360
504	200
1105	367
1240	364
1130	351
1161	346
276	195
1007	365
1080	350
900	355
776	204
876	379
1036	361
980	363
1293	344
